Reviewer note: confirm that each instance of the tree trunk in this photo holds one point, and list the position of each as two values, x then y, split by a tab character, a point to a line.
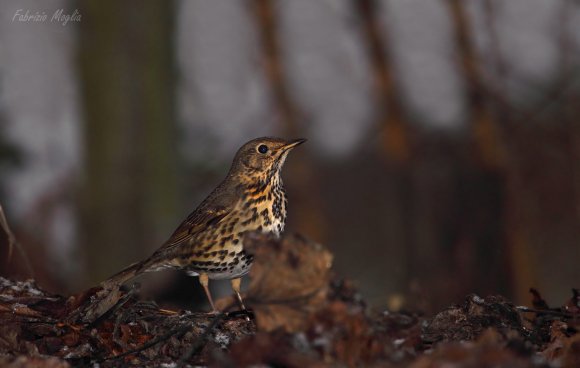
300	174
128	193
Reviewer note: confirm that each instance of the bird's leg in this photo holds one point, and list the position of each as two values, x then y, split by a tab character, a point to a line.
236	287
204	281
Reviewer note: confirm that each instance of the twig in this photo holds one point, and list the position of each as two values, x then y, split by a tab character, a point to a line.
134	289
12	243
9	234
119	304
116	329
544	311
200	340
174	331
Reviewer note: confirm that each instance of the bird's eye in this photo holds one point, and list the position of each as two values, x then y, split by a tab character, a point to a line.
262	148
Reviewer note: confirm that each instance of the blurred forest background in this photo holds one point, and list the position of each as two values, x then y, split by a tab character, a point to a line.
444	142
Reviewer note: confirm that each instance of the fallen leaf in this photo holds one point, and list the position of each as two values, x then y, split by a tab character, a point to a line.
289	280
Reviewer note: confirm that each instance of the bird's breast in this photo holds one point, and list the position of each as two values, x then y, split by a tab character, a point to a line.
223	256
265	212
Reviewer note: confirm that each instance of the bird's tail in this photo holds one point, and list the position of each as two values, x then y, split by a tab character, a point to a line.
118	279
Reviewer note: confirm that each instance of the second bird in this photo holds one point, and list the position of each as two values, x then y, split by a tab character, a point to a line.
209	243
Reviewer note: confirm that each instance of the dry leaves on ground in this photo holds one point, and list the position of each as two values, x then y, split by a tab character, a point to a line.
304	317
289	281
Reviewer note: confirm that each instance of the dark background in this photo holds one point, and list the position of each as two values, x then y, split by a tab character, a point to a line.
443	154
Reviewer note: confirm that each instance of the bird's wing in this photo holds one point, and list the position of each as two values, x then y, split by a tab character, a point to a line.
210	212
195	222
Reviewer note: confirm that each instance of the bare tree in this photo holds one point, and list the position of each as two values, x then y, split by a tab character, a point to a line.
391	117
300	172
490	116
128	195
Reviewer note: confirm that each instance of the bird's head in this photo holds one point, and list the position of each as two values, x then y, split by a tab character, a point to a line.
263	156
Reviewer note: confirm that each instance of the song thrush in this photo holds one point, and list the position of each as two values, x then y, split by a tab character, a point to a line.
209	243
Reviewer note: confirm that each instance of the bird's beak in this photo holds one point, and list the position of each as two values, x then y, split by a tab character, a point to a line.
294	143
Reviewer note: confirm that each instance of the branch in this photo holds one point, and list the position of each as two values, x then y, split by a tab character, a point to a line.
12	243
201	340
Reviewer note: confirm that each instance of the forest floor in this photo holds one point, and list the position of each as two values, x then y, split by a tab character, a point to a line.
301	315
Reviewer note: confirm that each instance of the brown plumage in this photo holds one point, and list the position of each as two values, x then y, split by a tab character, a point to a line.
209	243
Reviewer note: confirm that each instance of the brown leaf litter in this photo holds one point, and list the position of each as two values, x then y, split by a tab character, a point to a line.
302	315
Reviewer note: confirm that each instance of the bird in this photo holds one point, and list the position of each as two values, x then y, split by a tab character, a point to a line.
209	242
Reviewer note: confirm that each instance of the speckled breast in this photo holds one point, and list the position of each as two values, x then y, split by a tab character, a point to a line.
226	258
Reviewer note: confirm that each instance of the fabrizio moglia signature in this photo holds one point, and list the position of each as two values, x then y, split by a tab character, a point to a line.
59	16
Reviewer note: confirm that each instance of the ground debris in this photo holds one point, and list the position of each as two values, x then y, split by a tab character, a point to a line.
139	334
469	319
302	315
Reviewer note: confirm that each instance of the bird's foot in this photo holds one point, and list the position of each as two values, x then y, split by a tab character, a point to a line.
247	314
213	312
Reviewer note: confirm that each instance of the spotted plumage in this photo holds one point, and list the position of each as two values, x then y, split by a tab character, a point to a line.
209	243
